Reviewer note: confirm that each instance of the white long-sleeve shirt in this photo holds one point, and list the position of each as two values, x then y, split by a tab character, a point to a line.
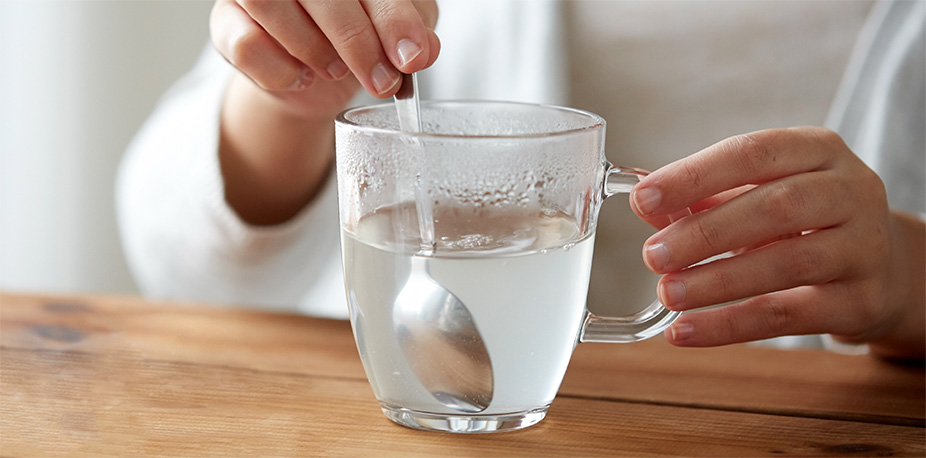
184	242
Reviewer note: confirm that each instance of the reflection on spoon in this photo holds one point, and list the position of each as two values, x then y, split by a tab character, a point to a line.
441	343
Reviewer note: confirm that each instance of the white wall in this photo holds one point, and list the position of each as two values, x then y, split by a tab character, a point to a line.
77	78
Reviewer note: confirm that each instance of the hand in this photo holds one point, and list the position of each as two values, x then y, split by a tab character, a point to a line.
300	63
314	54
815	248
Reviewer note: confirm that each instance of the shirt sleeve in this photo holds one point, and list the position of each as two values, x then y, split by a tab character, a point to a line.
183	241
880	107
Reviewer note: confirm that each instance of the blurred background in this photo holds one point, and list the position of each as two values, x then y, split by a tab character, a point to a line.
77	79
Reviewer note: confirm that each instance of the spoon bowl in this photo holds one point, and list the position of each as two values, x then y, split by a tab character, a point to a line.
441	343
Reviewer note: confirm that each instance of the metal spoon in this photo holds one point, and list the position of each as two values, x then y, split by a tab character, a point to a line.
437	334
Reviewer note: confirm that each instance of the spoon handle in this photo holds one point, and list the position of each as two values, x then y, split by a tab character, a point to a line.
409	111
406	103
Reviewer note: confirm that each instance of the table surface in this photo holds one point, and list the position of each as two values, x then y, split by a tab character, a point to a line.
121	376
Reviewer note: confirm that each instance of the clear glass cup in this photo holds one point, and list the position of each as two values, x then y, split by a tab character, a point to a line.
483	225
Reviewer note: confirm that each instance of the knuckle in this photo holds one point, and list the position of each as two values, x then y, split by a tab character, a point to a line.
754	153
245	51
727	324
693	173
830	140
784	203
353	35
244	47
804	266
723	286
734	322
385	11
807	265
778	316
710	236
865	305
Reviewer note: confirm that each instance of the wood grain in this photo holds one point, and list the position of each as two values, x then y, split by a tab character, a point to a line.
119	376
813	383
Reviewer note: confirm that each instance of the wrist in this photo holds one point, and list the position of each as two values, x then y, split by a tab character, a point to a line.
273	160
906	338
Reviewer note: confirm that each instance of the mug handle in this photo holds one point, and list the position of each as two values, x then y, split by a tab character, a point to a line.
653	319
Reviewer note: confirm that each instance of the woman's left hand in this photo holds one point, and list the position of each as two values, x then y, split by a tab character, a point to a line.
815	248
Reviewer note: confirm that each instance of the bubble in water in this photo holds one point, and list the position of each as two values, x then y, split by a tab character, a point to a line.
471	241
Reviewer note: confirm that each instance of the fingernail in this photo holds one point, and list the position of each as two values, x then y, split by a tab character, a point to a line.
681	331
337	69
647	200
384	78
656	256
306	77
672	294
407	50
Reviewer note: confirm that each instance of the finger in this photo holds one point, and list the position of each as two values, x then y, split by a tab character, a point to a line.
754	158
349	30
719	198
661	221
789	205
290	25
756	246
810	259
247	46
428	11
433	48
799	311
403	34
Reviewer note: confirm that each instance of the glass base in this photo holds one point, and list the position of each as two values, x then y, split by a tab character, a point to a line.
464	424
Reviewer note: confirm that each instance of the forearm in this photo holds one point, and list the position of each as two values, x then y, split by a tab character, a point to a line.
273	162
907	338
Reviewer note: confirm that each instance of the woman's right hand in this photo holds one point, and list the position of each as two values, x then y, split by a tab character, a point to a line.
314	54
300	64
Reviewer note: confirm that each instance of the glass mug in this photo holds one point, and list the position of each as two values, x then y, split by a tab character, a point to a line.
467	251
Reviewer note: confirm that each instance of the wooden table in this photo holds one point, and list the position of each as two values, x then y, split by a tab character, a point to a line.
119	376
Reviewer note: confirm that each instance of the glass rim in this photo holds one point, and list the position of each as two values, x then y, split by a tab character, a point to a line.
595	121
